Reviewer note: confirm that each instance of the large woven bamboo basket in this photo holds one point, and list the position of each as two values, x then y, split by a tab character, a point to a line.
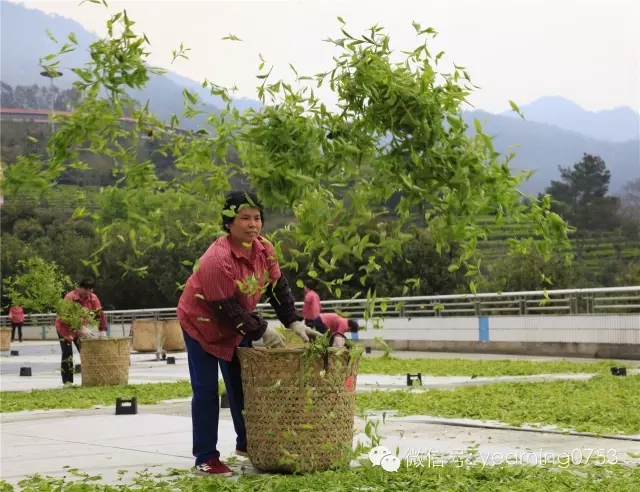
105	362
5	339
299	412
173	338
147	334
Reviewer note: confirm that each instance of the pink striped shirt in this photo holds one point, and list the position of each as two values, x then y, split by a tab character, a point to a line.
335	323
91	302
311	308
222	274
16	314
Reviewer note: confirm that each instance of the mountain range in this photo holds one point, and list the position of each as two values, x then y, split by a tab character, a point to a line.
556	131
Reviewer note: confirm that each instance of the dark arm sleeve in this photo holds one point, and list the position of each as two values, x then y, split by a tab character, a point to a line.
219	286
282	301
232	315
101	318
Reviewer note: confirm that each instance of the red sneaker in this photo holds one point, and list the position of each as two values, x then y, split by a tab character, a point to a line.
213	467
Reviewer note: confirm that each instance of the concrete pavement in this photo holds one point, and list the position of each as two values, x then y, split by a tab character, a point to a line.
97	441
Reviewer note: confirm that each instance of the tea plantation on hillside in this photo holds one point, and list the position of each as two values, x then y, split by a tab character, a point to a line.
594	251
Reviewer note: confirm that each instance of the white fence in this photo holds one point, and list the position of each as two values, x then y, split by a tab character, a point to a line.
571	316
585	329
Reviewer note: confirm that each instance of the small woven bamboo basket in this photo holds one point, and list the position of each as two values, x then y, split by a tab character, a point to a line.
299	411
5	339
173	338
105	362
147	334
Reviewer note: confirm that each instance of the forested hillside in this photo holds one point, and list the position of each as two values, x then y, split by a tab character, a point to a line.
606	241
579	172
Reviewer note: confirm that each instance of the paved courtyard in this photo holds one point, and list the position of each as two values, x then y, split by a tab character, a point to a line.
158	438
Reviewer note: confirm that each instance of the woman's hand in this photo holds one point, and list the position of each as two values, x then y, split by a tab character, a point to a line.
303	331
273	339
87	333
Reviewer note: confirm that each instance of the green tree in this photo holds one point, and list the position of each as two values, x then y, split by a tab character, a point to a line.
420	261
581	196
39	286
399	128
629	274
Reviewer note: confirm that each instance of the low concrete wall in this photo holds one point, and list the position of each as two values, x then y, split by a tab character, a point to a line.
593	336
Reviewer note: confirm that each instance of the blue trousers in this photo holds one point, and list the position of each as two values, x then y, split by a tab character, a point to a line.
319	326
205	404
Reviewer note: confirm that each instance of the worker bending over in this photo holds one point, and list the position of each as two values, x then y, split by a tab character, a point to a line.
334	323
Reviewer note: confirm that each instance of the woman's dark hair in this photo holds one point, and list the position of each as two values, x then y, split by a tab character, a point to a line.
233	202
86	283
353	326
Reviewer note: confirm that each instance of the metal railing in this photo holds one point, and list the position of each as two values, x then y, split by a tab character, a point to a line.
614	300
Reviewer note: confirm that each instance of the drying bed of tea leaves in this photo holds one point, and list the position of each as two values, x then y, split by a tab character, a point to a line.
481	368
602	404
78	397
152	393
156	392
447	478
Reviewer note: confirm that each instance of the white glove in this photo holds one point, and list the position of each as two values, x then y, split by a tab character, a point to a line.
273	339
87	333
102	335
303	331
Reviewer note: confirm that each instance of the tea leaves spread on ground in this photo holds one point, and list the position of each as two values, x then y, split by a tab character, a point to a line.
448	478
603	404
469	367
79	397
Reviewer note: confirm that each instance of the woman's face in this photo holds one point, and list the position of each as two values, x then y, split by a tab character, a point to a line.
246	226
84	293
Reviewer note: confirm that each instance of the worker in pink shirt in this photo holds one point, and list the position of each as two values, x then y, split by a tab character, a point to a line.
68	337
216	312
334	323
16	316
311	308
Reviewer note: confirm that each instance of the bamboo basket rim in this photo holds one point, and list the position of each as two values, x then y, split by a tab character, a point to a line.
291	350
5	328
104	339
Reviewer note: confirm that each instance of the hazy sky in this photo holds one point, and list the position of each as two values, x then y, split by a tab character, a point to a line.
585	50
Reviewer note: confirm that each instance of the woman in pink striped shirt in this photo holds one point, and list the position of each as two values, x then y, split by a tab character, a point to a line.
216	312
16	316
311	308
